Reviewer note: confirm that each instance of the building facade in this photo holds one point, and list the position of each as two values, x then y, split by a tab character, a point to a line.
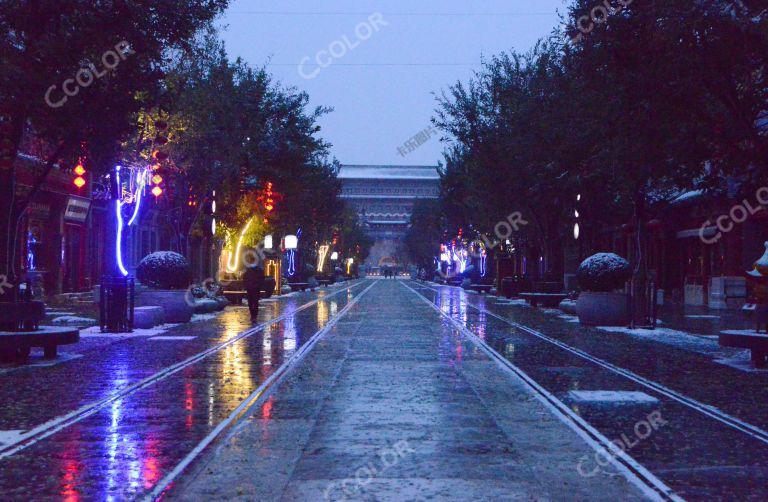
383	197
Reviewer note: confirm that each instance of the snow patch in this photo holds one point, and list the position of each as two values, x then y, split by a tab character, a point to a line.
71	319
95	332
204	317
610	397
744	332
742	362
679	339
569	318
173	338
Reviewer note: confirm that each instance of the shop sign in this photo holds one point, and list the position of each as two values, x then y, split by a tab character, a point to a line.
77	209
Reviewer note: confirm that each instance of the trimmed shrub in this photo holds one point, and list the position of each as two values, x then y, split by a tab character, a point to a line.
603	272
164	270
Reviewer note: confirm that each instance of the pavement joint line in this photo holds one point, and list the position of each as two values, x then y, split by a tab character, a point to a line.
706	409
638	475
57	424
263	391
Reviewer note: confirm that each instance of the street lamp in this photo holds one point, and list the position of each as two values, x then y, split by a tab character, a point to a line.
291	242
268	241
334	256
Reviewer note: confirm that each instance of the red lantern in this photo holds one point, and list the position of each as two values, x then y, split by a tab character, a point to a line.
157	191
79	170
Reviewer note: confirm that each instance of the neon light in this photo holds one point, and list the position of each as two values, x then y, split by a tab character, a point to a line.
350	261
291	262
232	266
322	253
140	179
119	242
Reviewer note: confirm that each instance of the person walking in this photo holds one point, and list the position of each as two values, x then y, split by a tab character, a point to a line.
253	279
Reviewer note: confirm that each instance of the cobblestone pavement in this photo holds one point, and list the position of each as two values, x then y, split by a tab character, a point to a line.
118	413
396	404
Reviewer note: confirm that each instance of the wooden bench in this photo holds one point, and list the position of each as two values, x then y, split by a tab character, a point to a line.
549	300
757	344
16	345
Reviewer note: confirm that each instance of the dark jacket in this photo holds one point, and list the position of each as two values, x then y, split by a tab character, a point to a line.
253	277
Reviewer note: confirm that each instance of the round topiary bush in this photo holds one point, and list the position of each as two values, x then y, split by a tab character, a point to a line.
603	272
164	270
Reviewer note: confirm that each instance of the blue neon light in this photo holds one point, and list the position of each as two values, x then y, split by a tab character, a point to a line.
119	242
291	262
137	197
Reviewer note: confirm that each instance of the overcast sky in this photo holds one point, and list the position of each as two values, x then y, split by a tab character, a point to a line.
382	88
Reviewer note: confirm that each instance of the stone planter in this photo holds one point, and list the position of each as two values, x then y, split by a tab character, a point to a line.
174	303
602	309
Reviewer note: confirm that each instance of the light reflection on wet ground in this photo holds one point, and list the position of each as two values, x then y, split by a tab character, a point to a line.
696	455
124	449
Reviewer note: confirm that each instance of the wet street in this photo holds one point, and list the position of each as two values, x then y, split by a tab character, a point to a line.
385	390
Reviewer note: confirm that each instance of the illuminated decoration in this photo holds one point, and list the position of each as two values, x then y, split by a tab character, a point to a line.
444	257
272	269
119	244
79	170
157	179
140	182
291	262
157	191
31	242
291	242
269	203
268	244
232	264
322	252
483	258
209	210
350	262
334	256
576	215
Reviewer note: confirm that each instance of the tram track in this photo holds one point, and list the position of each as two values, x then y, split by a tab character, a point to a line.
40	432
710	411
262	392
651	486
